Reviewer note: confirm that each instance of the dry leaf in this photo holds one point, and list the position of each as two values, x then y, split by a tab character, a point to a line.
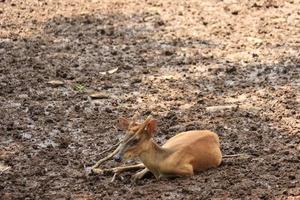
110	71
99	95
113	70
3	168
55	83
219	108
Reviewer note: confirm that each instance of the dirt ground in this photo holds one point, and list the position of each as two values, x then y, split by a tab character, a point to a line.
173	59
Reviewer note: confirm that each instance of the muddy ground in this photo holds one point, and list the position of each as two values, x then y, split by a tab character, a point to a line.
173	59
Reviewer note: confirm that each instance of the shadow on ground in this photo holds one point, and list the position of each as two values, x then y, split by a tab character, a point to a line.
51	133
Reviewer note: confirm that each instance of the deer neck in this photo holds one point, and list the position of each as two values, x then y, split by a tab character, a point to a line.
153	156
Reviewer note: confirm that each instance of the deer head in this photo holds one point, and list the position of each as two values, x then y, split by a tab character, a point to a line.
136	138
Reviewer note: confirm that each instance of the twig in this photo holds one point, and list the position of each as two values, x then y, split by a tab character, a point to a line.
107	157
3	170
114	177
109	149
235	155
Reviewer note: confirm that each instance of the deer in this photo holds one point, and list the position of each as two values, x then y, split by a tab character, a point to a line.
182	155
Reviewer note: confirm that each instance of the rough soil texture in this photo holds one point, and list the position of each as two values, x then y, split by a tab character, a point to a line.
173	59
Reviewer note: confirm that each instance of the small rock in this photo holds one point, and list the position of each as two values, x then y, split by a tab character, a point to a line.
255	41
285	192
8	195
23	96
55	83
185	106
257	5
169	52
159	23
145	71
235	12
292	177
286	152
108	110
230	70
99	95
136	80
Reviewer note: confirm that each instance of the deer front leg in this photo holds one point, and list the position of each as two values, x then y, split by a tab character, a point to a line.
128	168
140	175
118	170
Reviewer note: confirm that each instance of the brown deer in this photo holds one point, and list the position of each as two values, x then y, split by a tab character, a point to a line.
182	155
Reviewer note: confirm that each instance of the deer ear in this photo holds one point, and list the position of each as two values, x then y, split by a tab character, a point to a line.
152	127
123	123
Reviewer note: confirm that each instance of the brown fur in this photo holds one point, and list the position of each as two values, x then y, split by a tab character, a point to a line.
181	155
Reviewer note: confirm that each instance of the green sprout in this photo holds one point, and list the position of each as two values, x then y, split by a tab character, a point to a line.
80	88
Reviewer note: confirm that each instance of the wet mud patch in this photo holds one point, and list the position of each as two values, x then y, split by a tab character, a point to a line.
189	64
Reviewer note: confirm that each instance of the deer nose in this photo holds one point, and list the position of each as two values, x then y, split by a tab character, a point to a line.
117	158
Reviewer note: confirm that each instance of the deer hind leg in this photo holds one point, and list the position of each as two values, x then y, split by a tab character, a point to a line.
186	170
180	171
